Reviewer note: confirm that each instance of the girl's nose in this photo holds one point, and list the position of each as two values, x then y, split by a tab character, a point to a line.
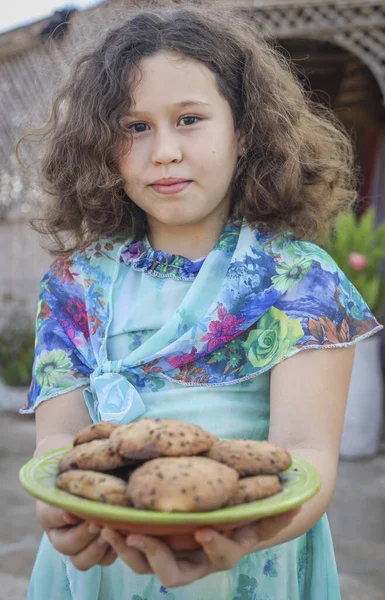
166	149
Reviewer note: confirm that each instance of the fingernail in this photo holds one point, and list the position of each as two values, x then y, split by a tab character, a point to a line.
108	535
135	542
70	519
92	528
142	545
102	541
206	537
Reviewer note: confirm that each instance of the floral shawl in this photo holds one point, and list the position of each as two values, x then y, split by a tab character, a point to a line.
256	300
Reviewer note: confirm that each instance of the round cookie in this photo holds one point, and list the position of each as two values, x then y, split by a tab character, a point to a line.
255	488
95	456
96	431
94	486
152	438
250	457
182	484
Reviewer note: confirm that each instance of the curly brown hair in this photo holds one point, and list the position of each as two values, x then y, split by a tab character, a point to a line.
297	172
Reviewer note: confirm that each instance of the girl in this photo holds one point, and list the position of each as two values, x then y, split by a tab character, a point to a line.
194	177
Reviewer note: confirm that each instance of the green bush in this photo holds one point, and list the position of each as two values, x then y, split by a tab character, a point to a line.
358	247
17	341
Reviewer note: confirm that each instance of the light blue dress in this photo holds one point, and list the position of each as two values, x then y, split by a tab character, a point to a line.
147	293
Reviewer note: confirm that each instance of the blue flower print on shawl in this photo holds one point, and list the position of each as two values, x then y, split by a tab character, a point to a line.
256	300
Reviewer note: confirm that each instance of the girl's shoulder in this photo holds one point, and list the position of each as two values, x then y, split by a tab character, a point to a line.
98	254
90	269
102	248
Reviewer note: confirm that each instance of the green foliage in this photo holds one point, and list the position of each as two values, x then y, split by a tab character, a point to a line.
352	235
17	342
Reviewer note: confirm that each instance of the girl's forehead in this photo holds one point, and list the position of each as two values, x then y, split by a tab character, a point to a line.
173	79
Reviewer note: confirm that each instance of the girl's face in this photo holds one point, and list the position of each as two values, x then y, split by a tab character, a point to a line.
182	128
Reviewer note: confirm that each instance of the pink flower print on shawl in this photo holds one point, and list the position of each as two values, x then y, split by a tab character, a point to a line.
183	359
76	314
223	330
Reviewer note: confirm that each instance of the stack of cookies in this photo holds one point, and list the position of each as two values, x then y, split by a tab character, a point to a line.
169	466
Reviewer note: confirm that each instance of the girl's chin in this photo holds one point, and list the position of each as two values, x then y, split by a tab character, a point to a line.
177	221
176	217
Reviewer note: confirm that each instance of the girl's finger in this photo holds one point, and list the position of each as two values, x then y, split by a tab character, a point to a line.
71	540
223	553
131	556
164	564
109	558
263	530
91	555
69	518
51	517
193	556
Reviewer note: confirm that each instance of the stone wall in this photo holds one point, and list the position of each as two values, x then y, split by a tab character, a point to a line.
23	262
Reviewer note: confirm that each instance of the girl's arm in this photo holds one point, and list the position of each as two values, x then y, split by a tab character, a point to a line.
307	408
59	419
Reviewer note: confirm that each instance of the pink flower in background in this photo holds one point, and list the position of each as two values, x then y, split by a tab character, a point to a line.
357	261
223	330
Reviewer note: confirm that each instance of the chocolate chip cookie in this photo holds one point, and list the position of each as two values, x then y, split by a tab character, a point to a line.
96	431
94	486
95	456
250	457
152	438
255	488
182	484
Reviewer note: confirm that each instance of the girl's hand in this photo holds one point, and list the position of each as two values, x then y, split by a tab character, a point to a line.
78	539
151	555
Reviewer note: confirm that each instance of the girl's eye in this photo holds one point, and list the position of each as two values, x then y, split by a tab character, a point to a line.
141	127
190	117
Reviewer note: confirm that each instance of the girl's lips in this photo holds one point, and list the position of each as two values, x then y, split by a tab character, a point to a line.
168	190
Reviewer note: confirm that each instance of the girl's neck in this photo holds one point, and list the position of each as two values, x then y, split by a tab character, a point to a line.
190	241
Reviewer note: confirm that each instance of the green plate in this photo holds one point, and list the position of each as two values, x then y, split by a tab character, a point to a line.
299	483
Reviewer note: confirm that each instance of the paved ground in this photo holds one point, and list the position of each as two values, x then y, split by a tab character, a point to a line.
357	517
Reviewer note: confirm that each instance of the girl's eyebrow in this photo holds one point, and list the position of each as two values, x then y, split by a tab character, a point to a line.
183	104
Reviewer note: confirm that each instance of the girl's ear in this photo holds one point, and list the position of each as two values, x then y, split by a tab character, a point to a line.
241	143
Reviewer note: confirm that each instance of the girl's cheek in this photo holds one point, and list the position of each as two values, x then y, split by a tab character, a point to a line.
141	156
